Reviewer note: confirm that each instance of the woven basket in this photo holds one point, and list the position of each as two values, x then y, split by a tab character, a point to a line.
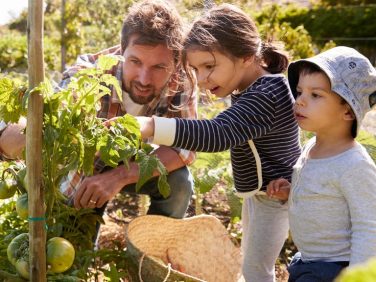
191	249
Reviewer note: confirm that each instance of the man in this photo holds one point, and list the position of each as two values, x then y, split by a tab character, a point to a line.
150	43
150	78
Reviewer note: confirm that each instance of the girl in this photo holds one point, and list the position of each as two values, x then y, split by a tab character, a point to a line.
227	56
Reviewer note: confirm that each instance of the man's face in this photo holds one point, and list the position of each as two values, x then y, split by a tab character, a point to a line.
146	70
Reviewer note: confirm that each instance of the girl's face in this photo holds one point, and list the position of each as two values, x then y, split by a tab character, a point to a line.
317	107
218	73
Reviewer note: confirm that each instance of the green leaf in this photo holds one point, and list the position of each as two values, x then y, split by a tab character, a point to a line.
163	186
113	274
11	96
147	164
111	80
108	61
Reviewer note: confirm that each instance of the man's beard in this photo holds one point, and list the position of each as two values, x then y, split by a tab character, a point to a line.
143	100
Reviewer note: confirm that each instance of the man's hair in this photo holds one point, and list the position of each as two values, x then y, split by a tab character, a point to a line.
307	68
155	22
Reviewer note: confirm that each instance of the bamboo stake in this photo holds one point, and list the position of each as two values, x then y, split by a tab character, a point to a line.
37	232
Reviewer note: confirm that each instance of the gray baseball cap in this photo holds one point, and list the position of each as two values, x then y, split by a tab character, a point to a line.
351	75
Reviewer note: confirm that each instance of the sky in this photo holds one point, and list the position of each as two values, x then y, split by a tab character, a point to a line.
11	8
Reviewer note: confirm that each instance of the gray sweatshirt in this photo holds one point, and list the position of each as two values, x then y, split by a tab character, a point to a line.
332	206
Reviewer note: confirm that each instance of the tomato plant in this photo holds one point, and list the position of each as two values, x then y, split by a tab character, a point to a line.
72	136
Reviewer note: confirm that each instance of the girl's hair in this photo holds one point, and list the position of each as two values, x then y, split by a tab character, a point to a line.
229	30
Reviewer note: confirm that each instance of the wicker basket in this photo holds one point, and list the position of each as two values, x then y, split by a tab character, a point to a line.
191	249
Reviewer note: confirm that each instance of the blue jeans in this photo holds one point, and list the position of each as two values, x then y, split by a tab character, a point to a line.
315	271
176	204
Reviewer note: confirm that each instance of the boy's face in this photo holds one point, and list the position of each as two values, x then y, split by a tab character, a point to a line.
317	107
146	70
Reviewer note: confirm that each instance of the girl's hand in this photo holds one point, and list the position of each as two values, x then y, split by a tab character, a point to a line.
146	125
110	121
278	189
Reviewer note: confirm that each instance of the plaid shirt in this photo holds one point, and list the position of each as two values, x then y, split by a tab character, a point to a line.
111	106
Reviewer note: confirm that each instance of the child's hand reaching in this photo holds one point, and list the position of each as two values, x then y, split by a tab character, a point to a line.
278	189
146	125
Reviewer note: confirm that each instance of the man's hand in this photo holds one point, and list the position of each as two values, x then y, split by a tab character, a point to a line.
96	190
278	189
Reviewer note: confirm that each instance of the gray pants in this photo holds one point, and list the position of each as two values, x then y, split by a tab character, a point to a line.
265	229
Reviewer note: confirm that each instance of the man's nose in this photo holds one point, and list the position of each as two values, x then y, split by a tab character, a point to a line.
145	76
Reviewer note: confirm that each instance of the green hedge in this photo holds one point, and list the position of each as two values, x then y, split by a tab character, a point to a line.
353	26
13	53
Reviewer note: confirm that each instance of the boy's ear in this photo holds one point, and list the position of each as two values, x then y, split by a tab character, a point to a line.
349	114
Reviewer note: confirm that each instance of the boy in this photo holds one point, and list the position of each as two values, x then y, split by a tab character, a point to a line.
333	191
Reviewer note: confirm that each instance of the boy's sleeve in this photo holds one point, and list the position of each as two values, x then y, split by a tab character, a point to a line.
360	192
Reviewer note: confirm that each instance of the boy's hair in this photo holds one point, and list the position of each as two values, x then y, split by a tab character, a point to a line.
155	22
351	76
229	30
307	68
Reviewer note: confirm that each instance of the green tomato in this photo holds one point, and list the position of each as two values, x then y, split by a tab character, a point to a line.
60	254
22	206
21	178
8	188
23	268
18	250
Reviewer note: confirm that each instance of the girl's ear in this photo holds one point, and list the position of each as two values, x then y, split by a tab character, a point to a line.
249	60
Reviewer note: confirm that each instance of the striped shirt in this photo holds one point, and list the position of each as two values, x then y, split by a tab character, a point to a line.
167	105
264	113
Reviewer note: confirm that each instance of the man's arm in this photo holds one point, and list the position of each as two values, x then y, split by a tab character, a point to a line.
103	187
